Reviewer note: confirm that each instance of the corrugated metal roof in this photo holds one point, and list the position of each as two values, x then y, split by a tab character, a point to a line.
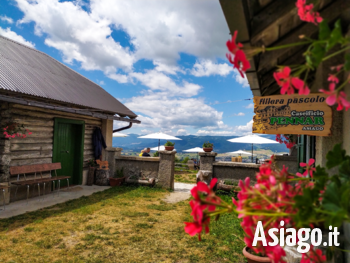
29	71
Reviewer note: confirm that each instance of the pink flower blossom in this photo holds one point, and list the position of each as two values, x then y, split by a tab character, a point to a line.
333	78
313	256
308	167
335	97
239	60
306	13
288	83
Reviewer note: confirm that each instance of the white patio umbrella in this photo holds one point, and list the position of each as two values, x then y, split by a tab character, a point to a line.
161	148
159	136
253	139
118	134
240	152
195	150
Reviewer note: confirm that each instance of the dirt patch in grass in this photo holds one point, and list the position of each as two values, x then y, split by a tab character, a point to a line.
99	229
185	176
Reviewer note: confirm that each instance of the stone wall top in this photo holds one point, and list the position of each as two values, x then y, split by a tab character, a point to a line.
204	154
168	152
285	158
235	164
138	158
114	149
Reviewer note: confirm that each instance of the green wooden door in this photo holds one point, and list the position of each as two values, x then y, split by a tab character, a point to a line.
68	149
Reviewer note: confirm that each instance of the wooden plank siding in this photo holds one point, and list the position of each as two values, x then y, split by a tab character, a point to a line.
37	147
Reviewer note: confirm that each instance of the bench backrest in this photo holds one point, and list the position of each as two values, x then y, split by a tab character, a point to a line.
34	168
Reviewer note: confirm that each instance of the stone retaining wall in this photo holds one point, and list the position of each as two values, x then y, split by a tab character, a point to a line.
288	161
235	171
138	166
161	168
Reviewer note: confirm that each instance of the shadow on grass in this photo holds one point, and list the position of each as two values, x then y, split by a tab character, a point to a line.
80	205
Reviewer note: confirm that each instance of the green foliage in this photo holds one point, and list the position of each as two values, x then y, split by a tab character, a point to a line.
327	39
119	173
208	145
185	160
335	157
92	163
347	62
168	143
334	205
324	30
336	35
156	154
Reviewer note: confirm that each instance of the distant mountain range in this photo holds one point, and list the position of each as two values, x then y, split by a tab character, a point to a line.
221	145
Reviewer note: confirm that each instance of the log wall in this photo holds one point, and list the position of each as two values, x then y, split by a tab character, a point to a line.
37	147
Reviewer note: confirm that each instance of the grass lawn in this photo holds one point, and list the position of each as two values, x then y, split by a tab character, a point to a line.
183	175
121	224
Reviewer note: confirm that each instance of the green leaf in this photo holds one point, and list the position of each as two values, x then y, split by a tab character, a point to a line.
344	169
335	157
332	207
331	194
325	31
329	253
345	197
317	54
336	35
347	62
320	172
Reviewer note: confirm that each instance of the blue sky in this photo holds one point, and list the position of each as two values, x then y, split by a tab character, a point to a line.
165	60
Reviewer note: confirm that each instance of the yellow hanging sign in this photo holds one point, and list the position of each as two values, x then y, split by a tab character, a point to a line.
292	114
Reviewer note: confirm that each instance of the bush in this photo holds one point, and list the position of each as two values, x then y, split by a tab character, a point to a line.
119	173
208	145
156	154
185	160
168	143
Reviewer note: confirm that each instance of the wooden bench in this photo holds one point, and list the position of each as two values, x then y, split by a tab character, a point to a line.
25	170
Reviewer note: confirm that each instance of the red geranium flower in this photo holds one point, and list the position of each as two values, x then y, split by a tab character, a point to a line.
288	83
306	13
239	60
313	256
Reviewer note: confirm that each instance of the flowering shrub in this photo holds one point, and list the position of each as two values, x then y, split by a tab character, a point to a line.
293	78
14	129
311	199
287	139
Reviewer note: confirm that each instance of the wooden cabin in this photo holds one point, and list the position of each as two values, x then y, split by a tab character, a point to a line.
61	109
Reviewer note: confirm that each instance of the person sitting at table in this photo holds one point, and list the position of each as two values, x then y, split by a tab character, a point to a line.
196	166
146	152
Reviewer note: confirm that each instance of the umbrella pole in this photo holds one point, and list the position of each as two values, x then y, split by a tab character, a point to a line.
158	144
252	153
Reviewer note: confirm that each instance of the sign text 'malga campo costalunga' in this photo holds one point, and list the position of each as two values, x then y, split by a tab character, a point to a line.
292	114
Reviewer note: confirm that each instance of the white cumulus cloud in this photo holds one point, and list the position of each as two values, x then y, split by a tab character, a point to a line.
7	32
208	68
250	106
6	19
160	111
